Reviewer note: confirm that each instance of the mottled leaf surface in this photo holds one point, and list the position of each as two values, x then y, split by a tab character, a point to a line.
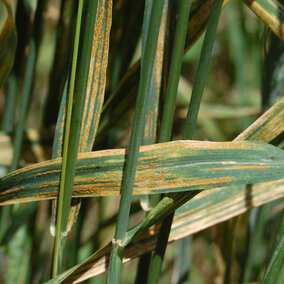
208	208
166	167
271	12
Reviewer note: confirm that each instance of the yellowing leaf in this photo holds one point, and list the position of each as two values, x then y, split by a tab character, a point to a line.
162	168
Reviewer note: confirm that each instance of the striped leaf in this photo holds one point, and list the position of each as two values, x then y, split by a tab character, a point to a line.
162	168
152	108
94	94
269	127
203	211
124	97
243	198
97	75
95	85
8	39
271	12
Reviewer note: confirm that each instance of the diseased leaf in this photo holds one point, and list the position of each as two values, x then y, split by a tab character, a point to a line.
162	168
244	198
94	94
208	208
95	85
8	40
268	127
97	75
124	97
271	12
152	108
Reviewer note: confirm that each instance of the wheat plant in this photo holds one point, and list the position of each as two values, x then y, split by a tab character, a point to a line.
141	141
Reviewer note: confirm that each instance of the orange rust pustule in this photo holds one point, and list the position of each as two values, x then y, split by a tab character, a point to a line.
249	167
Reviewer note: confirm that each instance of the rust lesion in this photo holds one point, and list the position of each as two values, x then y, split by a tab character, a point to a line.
246	167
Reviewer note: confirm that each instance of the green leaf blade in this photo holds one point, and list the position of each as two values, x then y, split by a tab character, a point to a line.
162	168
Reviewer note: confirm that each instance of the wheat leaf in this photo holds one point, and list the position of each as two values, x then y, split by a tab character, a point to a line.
162	168
271	12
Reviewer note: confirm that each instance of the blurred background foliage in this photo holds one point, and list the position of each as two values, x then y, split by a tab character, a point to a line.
233	99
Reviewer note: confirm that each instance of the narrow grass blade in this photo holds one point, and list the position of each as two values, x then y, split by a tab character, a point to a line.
202	70
147	65
277	259
165	165
25	97
97	75
92	82
207	209
63	52
273	75
268	128
8	40
95	86
123	98
239	55
167	123
127	16
28	82
10	103
69	157
271	12
147	202
175	69
152	108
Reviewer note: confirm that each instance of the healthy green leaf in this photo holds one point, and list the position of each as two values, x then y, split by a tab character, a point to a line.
71	140
277	258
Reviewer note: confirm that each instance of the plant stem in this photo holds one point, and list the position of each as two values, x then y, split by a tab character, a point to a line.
135	142
10	103
190	123
175	69
64	199
151	119
277	256
202	71
167	121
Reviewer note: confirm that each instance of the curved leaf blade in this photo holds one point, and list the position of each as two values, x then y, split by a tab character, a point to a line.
267	127
162	168
208	208
271	12
98	31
